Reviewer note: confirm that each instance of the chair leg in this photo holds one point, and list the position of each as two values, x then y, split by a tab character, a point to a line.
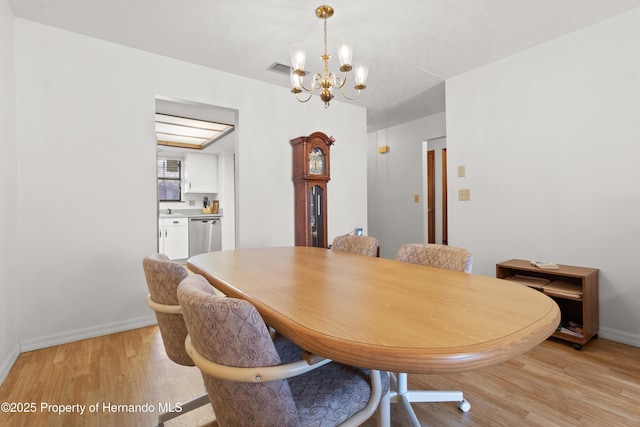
384	411
184	408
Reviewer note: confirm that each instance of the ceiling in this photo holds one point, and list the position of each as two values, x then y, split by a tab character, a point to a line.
411	46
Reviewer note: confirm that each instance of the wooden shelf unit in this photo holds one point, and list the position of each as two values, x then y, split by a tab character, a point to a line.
582	307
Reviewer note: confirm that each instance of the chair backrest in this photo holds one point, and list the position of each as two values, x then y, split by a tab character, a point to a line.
361	245
163	277
231	332
440	256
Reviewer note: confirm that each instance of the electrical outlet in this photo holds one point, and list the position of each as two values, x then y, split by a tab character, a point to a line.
192	202
464	194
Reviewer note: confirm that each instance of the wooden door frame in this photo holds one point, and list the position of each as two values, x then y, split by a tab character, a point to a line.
445	233
433	224
431	196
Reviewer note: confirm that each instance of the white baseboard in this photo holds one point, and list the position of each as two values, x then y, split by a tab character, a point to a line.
620	336
84	333
7	364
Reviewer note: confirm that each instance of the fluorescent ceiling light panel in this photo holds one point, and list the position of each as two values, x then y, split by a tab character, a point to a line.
188	133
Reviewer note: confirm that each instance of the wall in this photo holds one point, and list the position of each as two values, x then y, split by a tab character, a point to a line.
550	142
394	178
226	180
86	116
8	194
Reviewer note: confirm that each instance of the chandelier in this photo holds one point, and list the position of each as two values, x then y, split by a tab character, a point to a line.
326	81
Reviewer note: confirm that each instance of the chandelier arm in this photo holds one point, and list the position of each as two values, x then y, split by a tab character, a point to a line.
314	83
348	97
304	100
317	78
304	88
340	82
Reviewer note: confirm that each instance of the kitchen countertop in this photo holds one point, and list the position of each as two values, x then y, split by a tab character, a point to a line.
188	215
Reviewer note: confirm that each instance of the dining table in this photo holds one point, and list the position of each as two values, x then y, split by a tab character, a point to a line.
381	313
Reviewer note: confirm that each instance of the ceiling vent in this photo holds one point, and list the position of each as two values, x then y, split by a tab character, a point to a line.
279	68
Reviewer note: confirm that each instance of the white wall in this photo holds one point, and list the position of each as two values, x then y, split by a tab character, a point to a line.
394	178
226	195
550	140
8	195
85	107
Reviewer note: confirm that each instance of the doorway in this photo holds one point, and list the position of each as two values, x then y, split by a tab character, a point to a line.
436	191
221	151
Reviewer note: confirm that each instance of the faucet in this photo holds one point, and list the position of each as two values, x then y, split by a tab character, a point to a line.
169	211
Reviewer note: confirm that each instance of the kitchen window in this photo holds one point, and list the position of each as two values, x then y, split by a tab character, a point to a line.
169	180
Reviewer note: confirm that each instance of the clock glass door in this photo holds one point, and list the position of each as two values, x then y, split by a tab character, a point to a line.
316	223
316	162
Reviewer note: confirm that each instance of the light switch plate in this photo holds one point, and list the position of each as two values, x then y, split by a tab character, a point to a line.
461	171
464	194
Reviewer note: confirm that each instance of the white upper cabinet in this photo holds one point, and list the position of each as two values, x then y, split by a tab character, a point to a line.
201	173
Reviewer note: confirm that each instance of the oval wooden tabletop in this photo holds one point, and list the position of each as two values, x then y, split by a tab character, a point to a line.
380	313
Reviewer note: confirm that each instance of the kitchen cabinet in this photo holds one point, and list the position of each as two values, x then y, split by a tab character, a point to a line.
173	237
201	173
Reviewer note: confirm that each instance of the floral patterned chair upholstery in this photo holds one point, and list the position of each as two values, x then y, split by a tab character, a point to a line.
361	245
441	256
163	277
255	381
449	258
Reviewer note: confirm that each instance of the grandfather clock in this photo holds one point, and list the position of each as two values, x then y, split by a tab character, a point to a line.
310	177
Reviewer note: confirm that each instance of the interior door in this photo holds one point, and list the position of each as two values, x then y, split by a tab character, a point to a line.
431	196
436	191
445	236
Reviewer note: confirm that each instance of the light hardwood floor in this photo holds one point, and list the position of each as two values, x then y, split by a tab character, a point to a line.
551	385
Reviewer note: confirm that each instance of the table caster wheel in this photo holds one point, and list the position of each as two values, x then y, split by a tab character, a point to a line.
577	347
464	406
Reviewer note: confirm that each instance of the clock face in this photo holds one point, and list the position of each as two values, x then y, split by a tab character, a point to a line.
316	162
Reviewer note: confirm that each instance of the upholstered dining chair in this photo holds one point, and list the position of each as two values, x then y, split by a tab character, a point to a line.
255	381
440	256
163	277
361	245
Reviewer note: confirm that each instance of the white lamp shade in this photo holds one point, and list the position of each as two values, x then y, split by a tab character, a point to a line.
296	80
345	52
298	57
361	73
